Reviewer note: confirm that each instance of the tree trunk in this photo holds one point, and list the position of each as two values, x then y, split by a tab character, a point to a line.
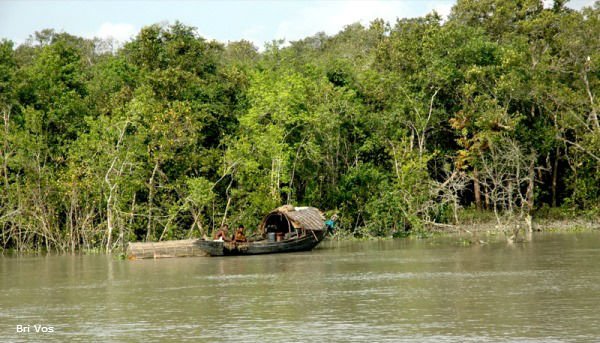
112	187
150	199
196	223
477	189
109	221
593	117
71	222
531	186
228	202
486	198
131	217
6	118
555	177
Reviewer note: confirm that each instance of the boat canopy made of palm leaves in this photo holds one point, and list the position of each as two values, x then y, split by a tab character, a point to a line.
290	218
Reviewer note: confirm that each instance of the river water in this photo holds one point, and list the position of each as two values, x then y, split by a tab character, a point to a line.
409	290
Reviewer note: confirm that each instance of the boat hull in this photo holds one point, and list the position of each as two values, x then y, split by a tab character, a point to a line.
219	248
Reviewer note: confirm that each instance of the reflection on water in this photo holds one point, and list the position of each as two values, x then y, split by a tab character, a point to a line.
435	290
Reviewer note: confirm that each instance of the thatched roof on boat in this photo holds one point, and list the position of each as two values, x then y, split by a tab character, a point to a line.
307	218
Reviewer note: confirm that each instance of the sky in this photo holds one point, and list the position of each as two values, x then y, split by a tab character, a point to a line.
256	21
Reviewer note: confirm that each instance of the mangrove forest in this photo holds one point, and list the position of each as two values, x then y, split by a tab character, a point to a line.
396	127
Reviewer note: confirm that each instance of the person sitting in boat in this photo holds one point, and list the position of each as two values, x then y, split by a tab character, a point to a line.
222	234
239	234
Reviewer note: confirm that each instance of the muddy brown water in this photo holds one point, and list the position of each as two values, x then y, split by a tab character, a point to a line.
409	290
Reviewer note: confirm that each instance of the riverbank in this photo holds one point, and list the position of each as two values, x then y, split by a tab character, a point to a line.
546	225
546	219
470	222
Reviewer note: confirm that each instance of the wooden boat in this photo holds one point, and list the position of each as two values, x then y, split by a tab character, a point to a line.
300	229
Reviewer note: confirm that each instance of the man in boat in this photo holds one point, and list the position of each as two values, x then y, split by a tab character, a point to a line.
239	234
222	234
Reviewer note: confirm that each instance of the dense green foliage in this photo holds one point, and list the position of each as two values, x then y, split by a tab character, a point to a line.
394	126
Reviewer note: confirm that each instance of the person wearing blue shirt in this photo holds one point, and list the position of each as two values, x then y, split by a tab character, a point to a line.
330	223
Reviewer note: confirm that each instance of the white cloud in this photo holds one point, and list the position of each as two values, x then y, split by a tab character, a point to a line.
579	4
119	32
574	4
255	34
332	16
443	8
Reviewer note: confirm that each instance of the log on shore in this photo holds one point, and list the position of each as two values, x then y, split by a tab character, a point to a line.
180	248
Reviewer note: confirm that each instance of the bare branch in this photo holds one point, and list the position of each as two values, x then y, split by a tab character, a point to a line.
578	146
